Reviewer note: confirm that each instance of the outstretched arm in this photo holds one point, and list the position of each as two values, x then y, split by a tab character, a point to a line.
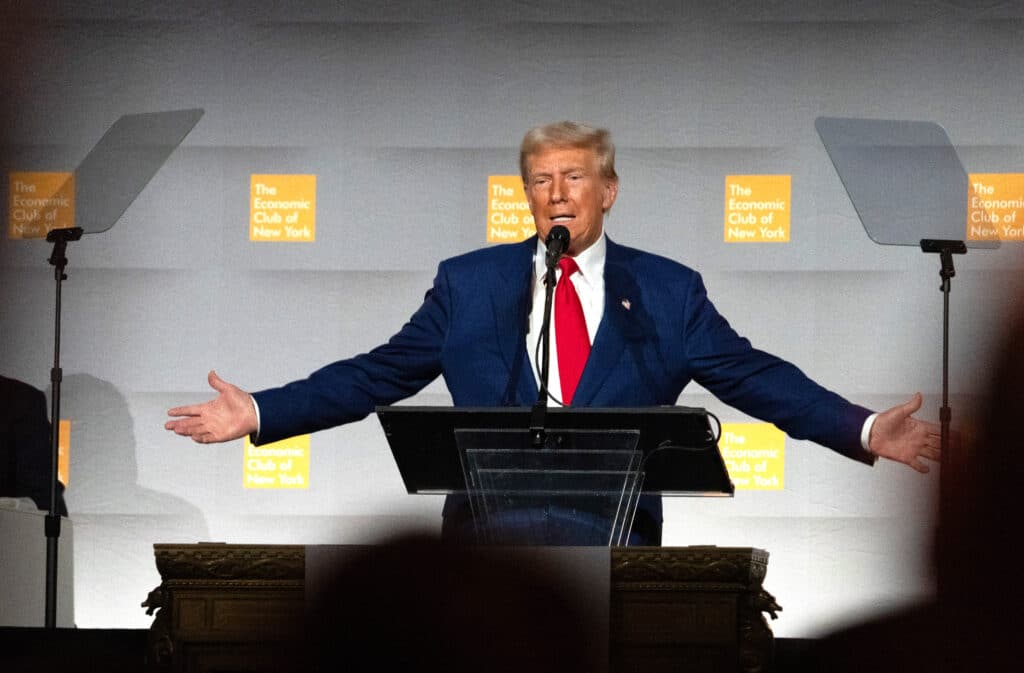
898	436
228	416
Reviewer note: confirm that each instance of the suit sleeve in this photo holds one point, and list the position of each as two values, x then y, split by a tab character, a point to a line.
765	386
349	390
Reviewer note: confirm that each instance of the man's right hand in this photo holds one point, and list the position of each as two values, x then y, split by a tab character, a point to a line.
228	416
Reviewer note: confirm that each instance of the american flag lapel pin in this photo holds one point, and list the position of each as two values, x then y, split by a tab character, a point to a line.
626	304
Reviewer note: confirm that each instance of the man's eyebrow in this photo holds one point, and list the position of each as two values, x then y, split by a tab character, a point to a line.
563	171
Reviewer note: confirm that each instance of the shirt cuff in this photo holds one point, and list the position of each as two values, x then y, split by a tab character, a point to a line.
865	432
254	437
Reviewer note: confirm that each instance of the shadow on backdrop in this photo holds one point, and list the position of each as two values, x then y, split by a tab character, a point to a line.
116	520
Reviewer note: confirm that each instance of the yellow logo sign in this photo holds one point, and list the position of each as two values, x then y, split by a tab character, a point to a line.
282	208
995	207
757	208
283	464
39	202
508	213
755	455
64	452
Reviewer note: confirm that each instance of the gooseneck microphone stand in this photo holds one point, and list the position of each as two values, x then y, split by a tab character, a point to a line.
557	243
946	250
541	406
59	260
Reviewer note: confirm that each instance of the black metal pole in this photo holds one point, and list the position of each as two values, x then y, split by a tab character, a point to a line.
945	412
59	238
543	345
946	250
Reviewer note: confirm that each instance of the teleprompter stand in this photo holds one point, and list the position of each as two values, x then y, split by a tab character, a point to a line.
945	250
582	484
909	188
59	260
107	181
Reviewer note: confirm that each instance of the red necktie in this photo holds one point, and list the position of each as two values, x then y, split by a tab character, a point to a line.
571	338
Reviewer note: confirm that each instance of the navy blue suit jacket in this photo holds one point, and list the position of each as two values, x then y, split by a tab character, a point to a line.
659	332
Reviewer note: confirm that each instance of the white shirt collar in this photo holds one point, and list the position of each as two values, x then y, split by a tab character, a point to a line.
590	261
589	284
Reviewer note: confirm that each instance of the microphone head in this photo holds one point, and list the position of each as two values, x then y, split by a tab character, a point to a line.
558	234
557	243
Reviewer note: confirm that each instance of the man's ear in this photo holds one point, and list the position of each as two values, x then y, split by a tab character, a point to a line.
611	191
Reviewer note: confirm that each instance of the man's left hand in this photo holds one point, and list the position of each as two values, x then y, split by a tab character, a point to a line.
898	436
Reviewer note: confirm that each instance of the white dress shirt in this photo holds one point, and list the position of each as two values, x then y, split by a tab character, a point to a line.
589	284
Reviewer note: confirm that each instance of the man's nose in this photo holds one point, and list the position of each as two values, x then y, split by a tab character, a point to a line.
557	193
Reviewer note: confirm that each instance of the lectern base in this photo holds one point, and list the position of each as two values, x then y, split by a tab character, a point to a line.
670	609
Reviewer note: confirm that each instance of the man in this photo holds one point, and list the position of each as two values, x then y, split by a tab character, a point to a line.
25	450
647	329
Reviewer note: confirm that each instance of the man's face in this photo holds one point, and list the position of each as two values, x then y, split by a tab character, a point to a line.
564	186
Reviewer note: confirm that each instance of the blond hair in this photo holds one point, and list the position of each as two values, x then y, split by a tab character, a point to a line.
570	134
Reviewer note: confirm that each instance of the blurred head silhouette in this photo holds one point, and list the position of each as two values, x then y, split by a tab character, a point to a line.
980	507
416	604
971	625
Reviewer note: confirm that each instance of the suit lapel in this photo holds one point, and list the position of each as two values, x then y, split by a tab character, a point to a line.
510	298
617	328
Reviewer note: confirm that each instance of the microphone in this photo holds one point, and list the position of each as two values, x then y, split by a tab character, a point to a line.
557	243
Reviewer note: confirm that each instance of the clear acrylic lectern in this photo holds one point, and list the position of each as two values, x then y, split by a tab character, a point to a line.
582	483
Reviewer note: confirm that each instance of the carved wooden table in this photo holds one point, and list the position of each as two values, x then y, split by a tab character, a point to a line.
227	607
240	608
690	609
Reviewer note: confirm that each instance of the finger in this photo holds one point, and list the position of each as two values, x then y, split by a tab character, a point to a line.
932	454
216	382
911	406
182	430
206	438
919	466
185	426
179	430
189	410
